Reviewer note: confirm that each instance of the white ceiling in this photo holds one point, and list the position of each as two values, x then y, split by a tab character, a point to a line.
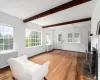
80	24
27	8
78	12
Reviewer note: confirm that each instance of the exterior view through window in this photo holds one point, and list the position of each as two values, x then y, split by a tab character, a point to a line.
6	38
33	38
70	37
76	37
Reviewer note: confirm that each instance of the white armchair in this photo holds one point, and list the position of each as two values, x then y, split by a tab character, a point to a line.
23	69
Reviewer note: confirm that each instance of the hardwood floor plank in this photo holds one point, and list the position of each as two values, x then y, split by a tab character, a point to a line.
64	65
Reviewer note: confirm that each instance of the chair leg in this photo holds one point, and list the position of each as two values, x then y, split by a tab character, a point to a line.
45	78
14	78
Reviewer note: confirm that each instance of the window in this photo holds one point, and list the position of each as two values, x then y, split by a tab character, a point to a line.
48	39
33	38
6	38
59	37
76	37
70	37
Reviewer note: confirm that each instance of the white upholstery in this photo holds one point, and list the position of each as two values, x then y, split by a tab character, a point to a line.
23	69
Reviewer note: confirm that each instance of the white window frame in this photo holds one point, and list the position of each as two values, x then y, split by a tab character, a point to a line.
70	37
74	38
8	38
77	39
36	42
48	41
59	37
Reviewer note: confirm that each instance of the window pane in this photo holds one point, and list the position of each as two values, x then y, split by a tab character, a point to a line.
1	31
69	40
34	32
36	40
6	37
10	41
77	37
6	41
27	33
32	36
70	35
11	46
33	39
30	44
8	31
1	36
37	35
1	47
6	47
34	44
59	37
29	40
1	41
39	43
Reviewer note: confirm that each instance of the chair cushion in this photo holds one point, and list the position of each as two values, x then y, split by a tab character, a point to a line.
30	64
31	67
23	58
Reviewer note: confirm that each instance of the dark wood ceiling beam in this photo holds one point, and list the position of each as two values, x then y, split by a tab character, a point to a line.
69	22
57	9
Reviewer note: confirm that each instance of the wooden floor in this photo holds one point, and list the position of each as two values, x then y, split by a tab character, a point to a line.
64	65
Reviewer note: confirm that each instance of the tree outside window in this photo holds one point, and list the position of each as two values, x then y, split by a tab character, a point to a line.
33	38
6	38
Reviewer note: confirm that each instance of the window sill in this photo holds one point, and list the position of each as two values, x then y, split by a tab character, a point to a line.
34	46
48	44
7	52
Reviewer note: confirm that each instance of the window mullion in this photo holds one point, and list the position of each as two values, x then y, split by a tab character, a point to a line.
35	38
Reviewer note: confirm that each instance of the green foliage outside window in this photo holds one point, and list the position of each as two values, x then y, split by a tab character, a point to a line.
33	39
6	38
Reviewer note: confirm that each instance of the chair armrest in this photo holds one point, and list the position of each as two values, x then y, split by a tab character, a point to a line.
30	62
41	71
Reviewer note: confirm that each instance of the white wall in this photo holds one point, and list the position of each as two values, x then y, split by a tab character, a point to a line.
95	17
19	34
82	28
95	20
4	57
36	50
